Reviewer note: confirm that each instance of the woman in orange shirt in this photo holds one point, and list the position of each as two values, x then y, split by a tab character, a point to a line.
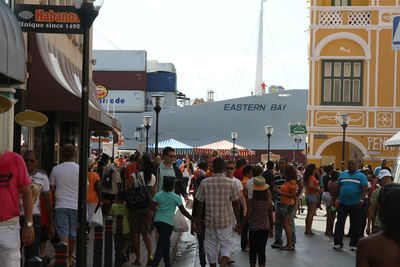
288	195
312	195
93	195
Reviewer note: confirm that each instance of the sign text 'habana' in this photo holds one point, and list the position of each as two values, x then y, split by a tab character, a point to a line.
48	19
255	107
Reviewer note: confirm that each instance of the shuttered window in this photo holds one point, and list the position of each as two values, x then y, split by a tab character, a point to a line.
342	82
341	2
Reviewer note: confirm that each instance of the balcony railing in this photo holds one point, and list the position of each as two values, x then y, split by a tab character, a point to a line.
345	17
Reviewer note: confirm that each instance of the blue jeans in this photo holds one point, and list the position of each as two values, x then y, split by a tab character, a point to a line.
164	231
279	214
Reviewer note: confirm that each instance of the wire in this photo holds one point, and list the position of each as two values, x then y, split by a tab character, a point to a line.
106	39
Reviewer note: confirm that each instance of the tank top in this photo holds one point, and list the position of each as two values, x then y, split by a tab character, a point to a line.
259	219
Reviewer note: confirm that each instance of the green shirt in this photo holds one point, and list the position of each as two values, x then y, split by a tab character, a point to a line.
117	209
167	203
374	199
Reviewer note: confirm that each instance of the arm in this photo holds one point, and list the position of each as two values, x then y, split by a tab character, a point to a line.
301	187
363	193
154	206
186	214
362	254
236	210
246	219
243	202
292	194
98	192
53	189
28	234
371	217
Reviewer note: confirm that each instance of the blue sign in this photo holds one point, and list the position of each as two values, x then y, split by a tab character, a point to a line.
396	33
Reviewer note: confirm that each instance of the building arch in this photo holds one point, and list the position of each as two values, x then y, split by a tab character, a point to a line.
342	35
336	139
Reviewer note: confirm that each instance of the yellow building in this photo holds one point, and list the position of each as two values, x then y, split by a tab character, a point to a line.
353	70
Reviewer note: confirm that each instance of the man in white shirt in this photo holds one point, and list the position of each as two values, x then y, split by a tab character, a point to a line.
40	183
64	184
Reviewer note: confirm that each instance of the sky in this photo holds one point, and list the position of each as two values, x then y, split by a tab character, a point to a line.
212	43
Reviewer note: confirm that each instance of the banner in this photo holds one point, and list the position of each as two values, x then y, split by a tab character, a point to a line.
48	19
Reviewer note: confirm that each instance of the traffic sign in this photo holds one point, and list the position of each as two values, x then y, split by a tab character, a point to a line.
297	129
396	33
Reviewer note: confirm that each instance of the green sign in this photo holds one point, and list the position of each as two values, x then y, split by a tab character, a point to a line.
297	129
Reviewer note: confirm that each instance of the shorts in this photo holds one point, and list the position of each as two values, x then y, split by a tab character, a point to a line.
312	199
10	254
65	223
326	198
140	220
285	209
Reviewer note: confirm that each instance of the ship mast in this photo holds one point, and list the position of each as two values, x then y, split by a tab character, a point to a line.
259	70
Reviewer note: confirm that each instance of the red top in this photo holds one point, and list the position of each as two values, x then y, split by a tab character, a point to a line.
239	173
312	180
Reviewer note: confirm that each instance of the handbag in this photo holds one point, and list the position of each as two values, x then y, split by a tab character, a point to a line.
138	197
180	224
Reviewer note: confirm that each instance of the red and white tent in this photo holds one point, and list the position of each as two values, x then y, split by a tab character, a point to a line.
224	148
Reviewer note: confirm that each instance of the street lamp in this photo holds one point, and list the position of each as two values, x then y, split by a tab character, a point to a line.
147	121
297	140
139	134
234	136
269	130
87	11
344	120
158	102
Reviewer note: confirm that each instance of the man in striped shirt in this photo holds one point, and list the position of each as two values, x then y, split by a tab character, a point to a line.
351	188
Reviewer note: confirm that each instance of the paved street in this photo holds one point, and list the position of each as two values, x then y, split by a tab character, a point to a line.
310	251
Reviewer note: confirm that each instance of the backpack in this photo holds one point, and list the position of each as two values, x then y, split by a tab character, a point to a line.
139	197
108	178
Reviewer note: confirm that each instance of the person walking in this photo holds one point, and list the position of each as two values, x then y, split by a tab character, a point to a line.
351	190
312	195
219	193
40	184
330	220
94	198
244	239
64	185
259	220
288	196
140	219
14	181
383	248
164	205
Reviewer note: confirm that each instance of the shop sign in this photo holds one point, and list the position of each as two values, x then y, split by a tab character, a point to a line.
48	19
101	91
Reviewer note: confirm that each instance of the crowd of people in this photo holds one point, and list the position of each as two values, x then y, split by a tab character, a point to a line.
257	201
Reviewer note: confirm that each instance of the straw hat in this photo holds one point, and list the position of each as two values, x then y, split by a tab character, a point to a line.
259	184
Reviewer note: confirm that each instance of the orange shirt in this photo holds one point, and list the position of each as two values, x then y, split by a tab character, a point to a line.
289	187
93	177
209	173
314	182
196	173
244	182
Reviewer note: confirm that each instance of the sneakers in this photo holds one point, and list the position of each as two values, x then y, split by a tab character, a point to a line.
276	245
337	247
352	248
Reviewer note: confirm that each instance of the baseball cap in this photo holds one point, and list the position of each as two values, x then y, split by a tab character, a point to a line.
384	173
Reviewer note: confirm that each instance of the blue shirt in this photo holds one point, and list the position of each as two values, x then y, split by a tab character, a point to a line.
351	187
377	170
167	203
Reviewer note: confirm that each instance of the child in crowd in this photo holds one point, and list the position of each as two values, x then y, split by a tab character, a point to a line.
164	205
288	191
120	208
259	217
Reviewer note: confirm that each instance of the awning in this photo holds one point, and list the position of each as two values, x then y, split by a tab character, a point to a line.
394	140
12	48
55	84
180	148
224	148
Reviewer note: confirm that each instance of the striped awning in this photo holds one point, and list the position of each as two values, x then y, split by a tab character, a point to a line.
180	148
224	148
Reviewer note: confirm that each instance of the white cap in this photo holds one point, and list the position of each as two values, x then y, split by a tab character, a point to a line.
384	173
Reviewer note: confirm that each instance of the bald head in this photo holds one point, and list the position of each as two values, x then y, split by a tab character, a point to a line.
352	166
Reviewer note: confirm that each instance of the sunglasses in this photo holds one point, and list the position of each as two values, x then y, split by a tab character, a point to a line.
29	160
230	168
171	156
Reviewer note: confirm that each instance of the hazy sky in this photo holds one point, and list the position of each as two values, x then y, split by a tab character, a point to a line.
213	43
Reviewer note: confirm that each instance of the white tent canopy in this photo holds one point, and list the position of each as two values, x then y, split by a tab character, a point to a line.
394	140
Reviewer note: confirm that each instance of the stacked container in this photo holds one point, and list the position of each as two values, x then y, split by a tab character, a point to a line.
122	77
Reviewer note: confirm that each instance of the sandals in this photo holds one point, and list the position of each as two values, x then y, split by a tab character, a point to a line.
287	248
309	233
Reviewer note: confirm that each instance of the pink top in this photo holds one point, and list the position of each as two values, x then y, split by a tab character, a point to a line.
259	216
13	176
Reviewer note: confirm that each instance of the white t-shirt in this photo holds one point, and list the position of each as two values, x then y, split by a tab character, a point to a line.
66	179
141	175
238	183
43	181
249	187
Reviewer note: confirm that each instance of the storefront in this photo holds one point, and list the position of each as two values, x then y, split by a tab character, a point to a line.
12	70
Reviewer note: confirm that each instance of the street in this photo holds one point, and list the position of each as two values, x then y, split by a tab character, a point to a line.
312	251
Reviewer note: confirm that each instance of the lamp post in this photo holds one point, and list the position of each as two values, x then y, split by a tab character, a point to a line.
234	136
297	140
158	102
345	119
139	133
87	11
147	121
269	130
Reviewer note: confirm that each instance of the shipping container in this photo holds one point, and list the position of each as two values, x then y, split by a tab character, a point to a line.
121	80
155	66
120	60
170	99
161	81
123	101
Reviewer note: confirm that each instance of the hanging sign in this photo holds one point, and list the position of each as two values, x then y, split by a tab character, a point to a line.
48	19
